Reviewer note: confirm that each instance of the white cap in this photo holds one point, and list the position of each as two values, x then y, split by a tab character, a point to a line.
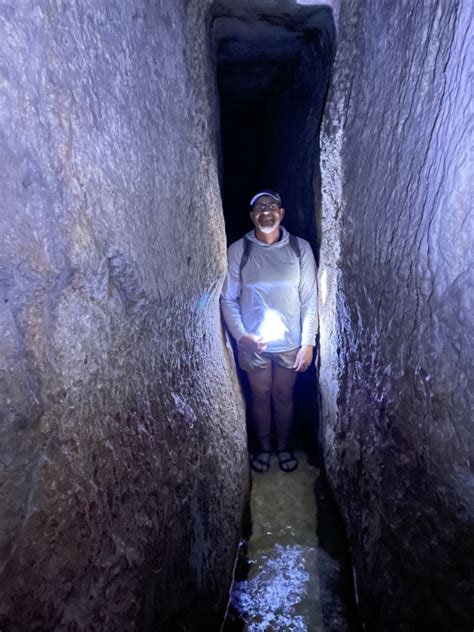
272	194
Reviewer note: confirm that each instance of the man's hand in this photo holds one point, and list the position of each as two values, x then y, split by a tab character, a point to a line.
252	342
303	358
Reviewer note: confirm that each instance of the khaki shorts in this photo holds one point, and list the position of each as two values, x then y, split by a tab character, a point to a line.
251	361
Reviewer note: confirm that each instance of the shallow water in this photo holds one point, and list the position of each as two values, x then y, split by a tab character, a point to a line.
287	581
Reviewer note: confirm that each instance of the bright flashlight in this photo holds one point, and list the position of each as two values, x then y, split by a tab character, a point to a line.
272	327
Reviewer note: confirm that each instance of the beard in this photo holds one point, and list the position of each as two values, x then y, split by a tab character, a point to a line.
268	227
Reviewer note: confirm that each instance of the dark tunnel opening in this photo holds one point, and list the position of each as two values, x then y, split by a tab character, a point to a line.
273	70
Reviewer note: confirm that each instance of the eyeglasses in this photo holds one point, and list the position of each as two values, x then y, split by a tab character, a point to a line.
271	206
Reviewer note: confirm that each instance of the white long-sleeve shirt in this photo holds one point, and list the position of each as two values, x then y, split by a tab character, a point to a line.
272	279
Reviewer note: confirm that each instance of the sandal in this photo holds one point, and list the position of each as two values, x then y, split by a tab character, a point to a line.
260	461
287	461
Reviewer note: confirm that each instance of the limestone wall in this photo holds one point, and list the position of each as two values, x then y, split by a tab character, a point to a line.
397	308
123	457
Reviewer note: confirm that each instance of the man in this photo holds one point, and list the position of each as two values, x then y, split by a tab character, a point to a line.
269	303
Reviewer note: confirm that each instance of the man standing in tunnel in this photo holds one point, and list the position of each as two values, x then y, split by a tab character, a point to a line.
269	303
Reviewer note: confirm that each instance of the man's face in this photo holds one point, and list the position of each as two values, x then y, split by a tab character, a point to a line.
266	214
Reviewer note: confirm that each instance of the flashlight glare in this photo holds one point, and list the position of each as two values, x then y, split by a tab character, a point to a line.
272	327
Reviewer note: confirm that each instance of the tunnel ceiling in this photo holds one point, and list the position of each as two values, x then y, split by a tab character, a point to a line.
253	38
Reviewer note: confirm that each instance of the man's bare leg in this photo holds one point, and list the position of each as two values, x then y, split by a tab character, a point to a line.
282	394
261	389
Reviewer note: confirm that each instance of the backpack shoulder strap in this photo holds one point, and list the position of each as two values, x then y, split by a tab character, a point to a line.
245	253
295	246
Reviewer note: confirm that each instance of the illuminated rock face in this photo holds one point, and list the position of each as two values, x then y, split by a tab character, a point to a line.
124	464
396	309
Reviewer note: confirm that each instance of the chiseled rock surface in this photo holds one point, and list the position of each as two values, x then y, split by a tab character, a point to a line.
123	450
397	309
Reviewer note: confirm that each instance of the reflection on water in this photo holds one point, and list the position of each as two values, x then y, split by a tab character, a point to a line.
285	580
278	596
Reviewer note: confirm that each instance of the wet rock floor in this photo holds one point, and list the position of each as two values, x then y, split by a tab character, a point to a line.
293	572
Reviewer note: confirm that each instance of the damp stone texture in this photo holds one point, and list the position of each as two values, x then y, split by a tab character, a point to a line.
396	306
123	464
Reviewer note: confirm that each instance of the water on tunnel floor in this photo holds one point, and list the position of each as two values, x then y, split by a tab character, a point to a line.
287	578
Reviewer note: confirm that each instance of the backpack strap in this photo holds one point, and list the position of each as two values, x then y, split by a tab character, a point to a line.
294	244
245	254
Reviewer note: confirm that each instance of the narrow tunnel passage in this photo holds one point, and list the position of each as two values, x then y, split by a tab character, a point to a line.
123	456
273	72
273	68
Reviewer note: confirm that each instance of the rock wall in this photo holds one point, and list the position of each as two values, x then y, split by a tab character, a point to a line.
123	449
397	309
